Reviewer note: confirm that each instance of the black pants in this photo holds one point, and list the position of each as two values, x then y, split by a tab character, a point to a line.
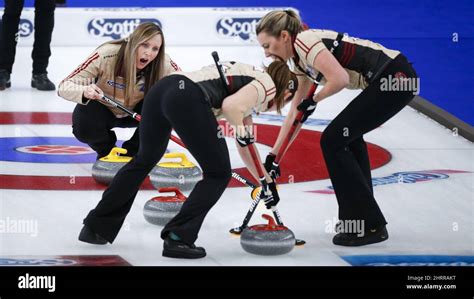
93	123
44	24
178	103
345	150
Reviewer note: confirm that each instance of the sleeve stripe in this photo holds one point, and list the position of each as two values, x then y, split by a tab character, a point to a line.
311	49
270	91
267	92
302	45
83	66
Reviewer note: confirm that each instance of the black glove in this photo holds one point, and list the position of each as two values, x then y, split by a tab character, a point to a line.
273	198
272	168
307	106
246	140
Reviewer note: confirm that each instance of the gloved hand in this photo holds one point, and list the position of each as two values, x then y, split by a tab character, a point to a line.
246	140
307	106
272	168
273	198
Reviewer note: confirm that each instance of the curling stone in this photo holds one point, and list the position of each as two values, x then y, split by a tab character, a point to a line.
104	169
160	209
267	239
183	174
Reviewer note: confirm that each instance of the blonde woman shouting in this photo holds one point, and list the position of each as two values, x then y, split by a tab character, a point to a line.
123	70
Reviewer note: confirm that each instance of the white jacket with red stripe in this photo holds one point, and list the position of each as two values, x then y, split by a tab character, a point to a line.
98	69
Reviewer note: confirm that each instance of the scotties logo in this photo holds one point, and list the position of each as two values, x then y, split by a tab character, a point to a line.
115	28
25	28
241	27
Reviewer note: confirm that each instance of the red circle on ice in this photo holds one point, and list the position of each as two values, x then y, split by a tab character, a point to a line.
302	163
48	149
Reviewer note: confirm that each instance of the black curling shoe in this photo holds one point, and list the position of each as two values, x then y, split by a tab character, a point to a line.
42	82
370	236
88	236
181	250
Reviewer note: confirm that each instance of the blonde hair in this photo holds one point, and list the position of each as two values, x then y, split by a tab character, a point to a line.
274	22
283	79
125	64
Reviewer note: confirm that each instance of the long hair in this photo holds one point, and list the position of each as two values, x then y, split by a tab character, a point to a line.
274	22
283	79
125	64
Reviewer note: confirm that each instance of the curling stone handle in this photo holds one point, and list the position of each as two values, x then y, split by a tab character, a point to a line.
177	192
184	160
116	151
271	221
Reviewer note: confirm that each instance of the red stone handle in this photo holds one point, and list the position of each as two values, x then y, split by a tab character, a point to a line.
176	191
271	221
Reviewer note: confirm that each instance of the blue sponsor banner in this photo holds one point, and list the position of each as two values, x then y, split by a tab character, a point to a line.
409	260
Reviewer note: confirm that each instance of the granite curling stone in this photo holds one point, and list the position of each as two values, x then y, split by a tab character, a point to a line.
104	169
161	209
183	174
267	239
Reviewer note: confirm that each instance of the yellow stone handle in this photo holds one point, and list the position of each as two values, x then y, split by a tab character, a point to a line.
184	160
114	156
117	150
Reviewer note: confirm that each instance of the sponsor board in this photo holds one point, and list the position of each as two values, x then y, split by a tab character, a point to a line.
61	261
409	260
405	177
182	26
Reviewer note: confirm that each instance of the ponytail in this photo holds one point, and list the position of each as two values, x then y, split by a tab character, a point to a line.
274	22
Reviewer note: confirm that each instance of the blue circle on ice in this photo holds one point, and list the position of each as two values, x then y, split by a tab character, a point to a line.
45	150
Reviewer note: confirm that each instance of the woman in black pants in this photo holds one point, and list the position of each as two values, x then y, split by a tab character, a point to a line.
189	103
352	63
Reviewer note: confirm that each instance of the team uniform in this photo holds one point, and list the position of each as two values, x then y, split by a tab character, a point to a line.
368	65
92	121
190	103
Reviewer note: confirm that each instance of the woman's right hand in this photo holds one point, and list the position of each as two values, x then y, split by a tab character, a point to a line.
92	92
